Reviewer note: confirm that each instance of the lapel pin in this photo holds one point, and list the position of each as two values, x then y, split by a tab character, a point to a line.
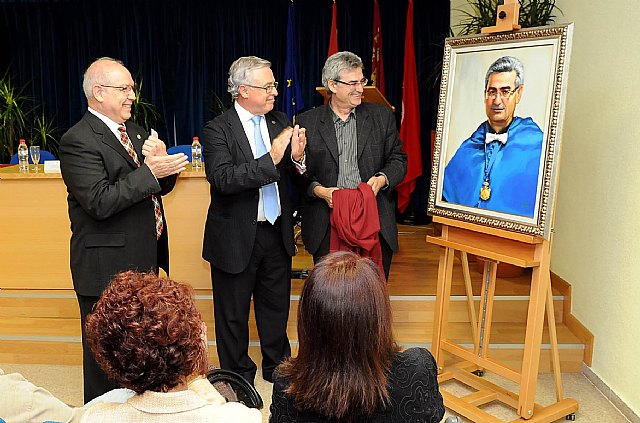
273	122
138	136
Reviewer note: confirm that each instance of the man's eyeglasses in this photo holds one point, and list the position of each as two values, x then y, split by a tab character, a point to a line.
267	89
124	89
362	82
506	93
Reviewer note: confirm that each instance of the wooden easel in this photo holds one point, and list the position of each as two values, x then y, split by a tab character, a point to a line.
507	18
497	246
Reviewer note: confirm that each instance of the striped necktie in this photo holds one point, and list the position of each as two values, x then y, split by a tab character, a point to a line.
128	145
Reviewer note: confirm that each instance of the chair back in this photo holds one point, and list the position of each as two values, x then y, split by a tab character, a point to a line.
44	156
245	392
182	148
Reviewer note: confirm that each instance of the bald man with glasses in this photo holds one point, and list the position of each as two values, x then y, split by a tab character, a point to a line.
497	167
116	174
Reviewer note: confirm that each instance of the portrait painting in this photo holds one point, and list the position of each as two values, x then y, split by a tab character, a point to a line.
498	133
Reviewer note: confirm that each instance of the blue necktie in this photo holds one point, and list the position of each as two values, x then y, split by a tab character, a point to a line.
269	193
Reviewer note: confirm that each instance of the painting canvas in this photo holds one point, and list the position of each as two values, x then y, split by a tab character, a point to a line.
499	128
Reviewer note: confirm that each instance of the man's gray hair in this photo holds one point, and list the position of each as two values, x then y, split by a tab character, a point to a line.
91	78
241	71
506	64
338	63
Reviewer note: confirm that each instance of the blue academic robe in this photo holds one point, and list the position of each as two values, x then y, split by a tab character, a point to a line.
513	177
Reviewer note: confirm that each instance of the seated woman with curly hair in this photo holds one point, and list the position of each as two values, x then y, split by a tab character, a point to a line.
349	367
148	335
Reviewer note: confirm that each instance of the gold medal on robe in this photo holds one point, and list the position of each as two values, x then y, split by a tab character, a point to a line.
485	191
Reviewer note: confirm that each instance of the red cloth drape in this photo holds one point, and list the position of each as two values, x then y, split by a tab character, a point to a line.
355	224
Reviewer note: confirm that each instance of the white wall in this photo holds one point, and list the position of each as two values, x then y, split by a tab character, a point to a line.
597	243
597	239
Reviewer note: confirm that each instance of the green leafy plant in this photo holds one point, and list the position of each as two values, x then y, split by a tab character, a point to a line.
20	118
143	112
15	108
44	133
482	13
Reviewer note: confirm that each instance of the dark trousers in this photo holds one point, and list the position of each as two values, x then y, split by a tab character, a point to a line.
268	279
387	252
95	380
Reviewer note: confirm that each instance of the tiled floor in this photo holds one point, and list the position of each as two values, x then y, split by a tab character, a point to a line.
65	382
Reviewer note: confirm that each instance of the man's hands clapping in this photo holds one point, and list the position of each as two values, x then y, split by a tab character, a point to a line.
279	144
159	162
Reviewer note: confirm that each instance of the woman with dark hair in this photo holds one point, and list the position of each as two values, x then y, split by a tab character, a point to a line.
349	367
148	335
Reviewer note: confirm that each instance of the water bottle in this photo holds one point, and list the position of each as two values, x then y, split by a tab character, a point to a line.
196	154
23	156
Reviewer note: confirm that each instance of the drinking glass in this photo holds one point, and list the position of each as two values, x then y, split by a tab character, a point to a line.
34	151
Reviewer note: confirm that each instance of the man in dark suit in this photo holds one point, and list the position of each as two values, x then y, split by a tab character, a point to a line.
350	142
248	237
114	186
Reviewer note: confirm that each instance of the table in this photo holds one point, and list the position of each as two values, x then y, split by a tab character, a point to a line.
35	230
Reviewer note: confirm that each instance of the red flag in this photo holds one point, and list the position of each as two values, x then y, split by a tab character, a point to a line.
333	40
410	123
377	67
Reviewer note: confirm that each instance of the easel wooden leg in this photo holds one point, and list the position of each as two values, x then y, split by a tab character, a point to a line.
481	343
553	340
533	334
443	294
471	307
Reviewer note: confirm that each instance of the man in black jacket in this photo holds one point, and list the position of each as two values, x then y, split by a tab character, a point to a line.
114	185
248	237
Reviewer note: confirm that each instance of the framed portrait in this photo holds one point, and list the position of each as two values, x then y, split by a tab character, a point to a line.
498	133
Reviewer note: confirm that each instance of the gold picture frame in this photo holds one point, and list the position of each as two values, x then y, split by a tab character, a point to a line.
544	53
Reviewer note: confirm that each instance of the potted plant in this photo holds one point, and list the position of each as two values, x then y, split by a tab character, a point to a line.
143	112
481	13
43	133
14	111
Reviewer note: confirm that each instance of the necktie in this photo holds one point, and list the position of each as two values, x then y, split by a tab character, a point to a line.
128	145
489	137
269	193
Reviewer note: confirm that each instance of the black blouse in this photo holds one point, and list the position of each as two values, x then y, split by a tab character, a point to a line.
413	388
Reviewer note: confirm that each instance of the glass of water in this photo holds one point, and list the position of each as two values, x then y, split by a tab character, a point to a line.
34	151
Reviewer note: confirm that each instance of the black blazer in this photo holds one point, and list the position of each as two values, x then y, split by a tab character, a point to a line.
379	150
235	178
110	206
413	391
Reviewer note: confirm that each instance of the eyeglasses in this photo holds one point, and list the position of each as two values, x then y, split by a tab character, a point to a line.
267	89
505	93
362	82
124	89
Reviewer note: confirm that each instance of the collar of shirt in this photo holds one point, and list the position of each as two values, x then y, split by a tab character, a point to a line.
245	118
337	119
113	126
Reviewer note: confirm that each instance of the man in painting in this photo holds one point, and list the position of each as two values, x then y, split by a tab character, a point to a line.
497	167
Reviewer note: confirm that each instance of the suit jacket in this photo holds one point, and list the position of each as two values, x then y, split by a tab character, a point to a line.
379	150
110	206
236	177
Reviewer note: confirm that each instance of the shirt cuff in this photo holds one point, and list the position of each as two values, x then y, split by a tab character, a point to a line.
301	165
386	180
312	185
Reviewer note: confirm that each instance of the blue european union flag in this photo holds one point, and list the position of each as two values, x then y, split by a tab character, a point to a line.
292	94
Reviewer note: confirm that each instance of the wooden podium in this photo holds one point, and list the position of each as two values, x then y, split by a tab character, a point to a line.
497	246
371	95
